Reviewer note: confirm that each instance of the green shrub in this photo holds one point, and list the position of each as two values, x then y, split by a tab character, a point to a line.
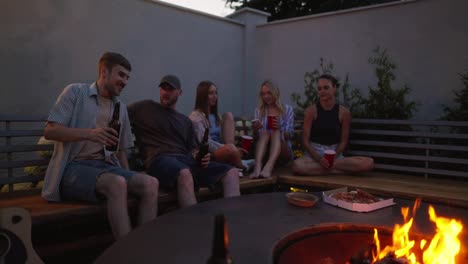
385	101
459	112
310	87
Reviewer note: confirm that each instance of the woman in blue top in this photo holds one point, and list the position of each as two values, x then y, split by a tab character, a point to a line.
279	136
326	127
221	136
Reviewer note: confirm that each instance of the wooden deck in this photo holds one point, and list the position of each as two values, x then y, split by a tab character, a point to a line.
446	191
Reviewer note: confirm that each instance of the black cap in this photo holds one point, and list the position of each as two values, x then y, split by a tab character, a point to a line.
172	80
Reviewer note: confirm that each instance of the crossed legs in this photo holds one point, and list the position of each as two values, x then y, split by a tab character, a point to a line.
115	188
308	166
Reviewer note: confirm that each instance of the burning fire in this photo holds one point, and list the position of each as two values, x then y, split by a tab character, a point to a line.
442	248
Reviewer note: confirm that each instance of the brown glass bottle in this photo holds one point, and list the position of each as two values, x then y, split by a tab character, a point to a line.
220	251
203	148
115	124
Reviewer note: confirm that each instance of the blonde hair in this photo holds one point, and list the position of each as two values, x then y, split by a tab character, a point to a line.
276	94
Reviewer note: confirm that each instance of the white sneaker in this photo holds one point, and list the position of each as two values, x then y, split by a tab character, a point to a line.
241	174
248	164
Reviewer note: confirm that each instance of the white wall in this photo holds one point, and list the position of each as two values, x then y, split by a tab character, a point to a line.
46	44
427	39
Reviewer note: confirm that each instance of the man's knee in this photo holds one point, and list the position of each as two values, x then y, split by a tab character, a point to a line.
232	175
149	184
112	185
185	179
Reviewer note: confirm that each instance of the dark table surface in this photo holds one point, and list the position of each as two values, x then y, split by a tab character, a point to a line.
256	223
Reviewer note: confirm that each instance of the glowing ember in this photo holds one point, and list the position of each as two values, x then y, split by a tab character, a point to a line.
441	249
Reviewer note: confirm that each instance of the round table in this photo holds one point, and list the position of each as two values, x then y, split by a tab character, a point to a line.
255	222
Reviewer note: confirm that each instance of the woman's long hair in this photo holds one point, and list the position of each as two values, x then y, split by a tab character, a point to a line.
276	94
201	101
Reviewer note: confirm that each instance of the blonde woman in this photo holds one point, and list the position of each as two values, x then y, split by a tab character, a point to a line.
277	136
221	136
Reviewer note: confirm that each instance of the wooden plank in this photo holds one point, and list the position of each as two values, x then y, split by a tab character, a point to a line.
408	157
410	122
451	192
25	148
408	133
21	133
408	145
22	163
462	174
21	179
22	118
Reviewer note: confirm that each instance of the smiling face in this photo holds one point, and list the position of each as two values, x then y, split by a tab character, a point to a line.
326	90
114	81
267	95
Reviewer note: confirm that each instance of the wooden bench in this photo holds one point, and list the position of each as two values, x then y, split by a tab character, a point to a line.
61	228
413	159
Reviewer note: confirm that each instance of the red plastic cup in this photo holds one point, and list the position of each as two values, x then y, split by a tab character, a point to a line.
330	157
247	142
271	119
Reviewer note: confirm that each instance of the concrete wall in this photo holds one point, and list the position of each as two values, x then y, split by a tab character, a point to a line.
46	44
427	39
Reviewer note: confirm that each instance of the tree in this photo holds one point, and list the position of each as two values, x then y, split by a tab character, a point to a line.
385	101
282	9
310	87
459	112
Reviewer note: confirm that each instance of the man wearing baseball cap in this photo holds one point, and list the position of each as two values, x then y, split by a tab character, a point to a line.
167	141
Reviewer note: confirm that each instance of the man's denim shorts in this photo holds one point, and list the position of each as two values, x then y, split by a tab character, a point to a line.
80	177
167	167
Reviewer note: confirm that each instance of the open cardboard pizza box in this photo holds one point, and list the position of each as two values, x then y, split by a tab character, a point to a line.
352	206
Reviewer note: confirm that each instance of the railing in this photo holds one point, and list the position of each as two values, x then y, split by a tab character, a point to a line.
406	146
425	147
20	135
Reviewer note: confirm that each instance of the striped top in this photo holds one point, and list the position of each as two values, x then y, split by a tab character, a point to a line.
286	121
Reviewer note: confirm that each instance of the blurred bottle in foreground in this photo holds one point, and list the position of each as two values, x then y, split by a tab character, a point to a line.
203	148
115	124
220	251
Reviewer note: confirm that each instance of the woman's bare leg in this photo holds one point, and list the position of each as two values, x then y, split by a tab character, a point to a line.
259	153
275	148
228	128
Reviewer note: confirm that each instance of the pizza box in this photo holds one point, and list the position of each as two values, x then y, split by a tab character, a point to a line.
356	207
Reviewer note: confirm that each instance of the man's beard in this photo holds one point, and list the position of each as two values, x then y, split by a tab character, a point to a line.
169	102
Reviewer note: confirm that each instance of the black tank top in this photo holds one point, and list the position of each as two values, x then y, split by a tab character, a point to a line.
326	129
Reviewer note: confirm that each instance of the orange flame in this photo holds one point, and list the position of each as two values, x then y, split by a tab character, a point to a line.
442	248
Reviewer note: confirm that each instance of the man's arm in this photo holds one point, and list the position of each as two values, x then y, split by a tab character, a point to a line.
58	132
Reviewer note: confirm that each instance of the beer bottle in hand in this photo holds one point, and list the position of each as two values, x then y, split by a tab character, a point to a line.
203	148
220	251
115	124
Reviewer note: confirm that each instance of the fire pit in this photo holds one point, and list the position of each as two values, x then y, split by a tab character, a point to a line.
327	244
335	244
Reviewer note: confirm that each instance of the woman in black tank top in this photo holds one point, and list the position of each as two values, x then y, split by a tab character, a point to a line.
326	128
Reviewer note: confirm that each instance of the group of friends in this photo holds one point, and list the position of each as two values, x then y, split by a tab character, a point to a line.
82	167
